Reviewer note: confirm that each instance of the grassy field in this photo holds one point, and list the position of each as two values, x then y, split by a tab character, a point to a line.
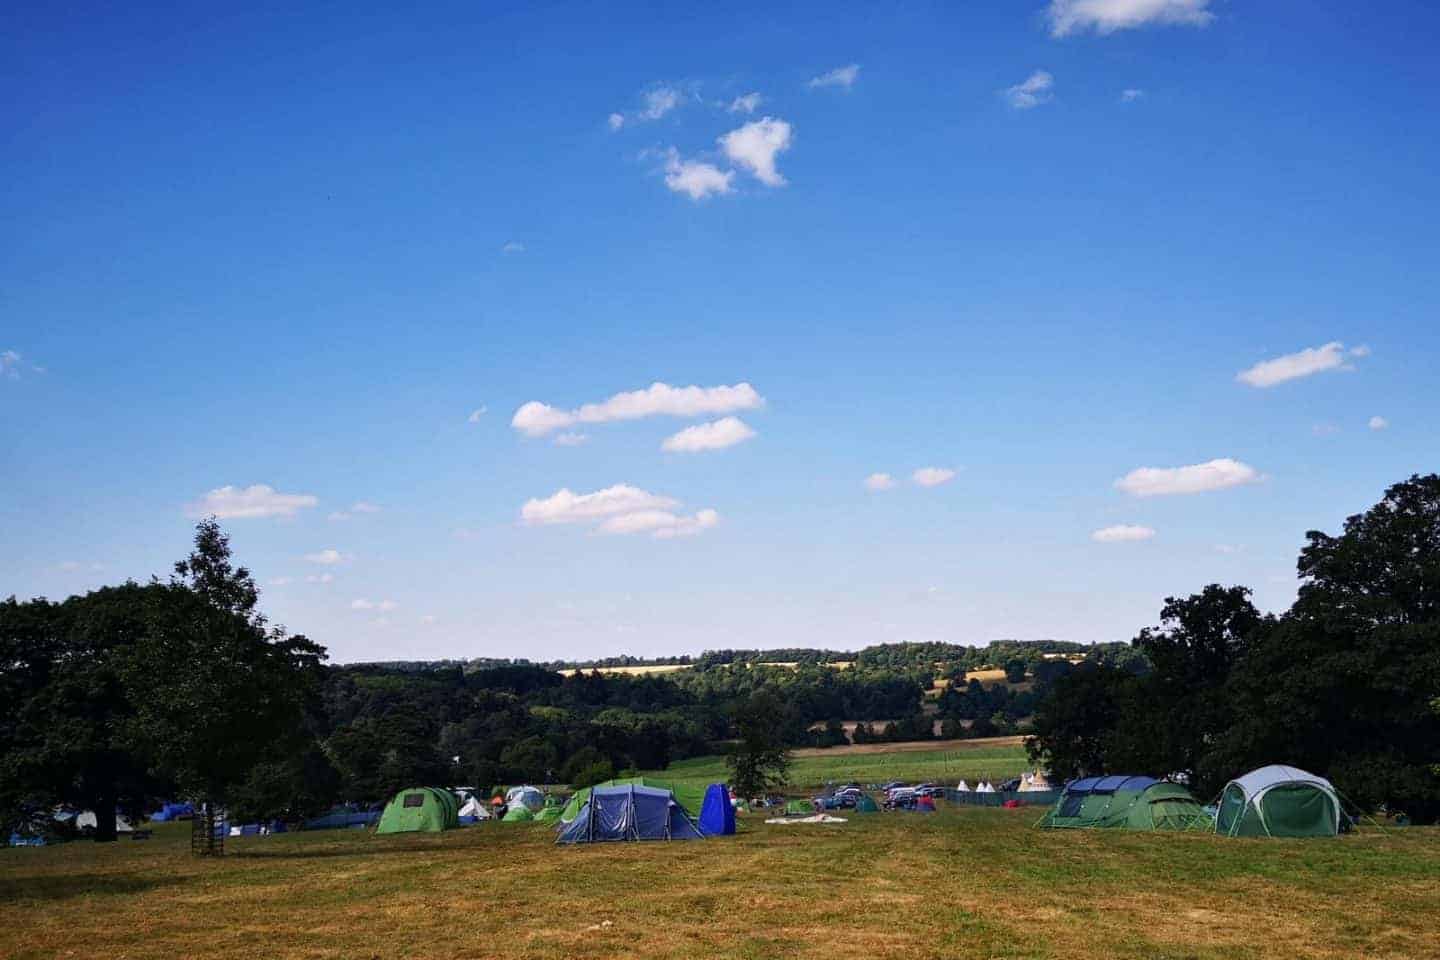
966	883
943	762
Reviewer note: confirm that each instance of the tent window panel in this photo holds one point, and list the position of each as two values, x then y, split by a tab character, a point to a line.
1232	804
414	800
1070	806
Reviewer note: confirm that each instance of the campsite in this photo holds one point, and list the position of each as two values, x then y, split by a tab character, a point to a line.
967	882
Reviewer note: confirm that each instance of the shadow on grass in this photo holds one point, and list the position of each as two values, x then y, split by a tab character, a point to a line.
321	853
71	885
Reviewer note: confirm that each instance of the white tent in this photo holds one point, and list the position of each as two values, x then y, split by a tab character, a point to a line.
963	787
88	820
1035	781
985	787
474	808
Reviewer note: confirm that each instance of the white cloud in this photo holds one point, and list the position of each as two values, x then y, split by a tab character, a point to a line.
327	557
513	246
359	506
320	578
616	121
1033	91
477	414
428	619
843	77
1229	548
571	439
1293	366
536	419
281	581
745	104
1122	533
661	524
1324	429
1107	16
621	509
384	606
1199	478
932	476
695	178
9	364
660	101
260	500
879	481
565	506
1131	94
716	435
1378	423
755	146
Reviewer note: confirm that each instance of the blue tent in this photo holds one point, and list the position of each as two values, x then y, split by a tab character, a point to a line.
174	811
717	814
629	812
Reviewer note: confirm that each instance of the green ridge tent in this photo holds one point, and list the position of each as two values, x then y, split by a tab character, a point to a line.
420	809
801	807
517	813
1278	801
691	797
1128	803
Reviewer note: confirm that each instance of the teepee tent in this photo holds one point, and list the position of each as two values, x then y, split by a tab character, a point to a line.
1129	803
420	810
1278	801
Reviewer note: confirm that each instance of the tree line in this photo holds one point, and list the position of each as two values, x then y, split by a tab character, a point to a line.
1345	683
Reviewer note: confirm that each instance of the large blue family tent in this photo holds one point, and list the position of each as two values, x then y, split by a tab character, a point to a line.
629	813
717	813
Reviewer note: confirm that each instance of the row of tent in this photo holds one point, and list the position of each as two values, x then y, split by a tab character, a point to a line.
1273	801
629	809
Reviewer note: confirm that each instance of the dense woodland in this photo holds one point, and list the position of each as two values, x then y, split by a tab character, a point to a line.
180	688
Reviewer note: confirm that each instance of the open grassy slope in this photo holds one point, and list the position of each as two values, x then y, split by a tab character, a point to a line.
961	883
944	761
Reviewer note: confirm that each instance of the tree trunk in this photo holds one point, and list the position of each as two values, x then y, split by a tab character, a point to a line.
105	819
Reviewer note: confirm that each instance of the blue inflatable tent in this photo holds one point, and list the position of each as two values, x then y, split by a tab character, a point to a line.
174	811
629	812
717	814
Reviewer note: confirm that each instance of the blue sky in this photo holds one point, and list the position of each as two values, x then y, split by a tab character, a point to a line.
299	249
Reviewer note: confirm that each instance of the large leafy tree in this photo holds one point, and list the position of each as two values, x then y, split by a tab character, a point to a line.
1344	683
759	762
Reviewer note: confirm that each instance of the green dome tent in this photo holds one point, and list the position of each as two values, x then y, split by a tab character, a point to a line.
550	813
420	810
690	796
517	813
801	808
1278	801
1128	803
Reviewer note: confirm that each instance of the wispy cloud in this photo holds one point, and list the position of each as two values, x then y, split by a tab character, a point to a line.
755	146
320	578
477	414
10	364
536	419
843	77
328	557
619	509
571	439
616	121
1378	423
1131	94
746	104
280	581
1304	363
933	476
1107	16
654	104
513	246
359	506
695	178
716	435
259	500
384	606
879	481
1122	533
1197	478
1035	90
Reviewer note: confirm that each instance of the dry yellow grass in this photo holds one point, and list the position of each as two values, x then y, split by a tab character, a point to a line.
965	883
639	671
